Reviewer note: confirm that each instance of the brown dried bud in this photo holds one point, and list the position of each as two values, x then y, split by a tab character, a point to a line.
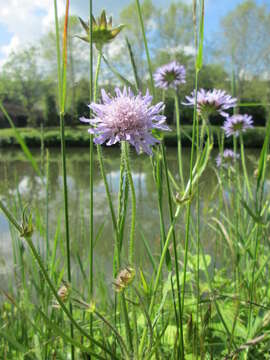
124	278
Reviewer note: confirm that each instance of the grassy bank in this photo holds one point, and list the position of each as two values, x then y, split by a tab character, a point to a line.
78	136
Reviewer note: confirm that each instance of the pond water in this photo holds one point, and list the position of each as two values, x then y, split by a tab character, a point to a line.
19	184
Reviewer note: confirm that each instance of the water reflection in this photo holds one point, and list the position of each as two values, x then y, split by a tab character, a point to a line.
18	183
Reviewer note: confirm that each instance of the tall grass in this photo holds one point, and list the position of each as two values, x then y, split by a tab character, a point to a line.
186	306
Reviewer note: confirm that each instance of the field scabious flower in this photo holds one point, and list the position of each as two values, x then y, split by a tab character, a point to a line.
170	76
126	117
237	124
211	102
227	159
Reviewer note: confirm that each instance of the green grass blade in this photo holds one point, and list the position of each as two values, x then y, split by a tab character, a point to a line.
20	140
118	75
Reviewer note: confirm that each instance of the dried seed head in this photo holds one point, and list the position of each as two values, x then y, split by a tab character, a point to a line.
63	293
183	199
124	278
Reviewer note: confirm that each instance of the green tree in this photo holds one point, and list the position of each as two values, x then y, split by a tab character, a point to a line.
50	110
175	26
78	63
23	77
245	42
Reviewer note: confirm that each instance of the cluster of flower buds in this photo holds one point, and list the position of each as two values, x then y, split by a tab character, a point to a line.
102	30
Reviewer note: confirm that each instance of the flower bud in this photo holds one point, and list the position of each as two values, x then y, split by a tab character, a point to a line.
27	226
102	31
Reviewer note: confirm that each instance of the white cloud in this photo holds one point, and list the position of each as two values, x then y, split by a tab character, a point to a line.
26	21
187	49
12	46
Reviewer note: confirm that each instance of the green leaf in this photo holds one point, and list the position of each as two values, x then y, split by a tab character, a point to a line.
170	335
263	157
257	218
144	283
15	344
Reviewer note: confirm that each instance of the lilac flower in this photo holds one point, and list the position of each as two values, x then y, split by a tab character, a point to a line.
170	76
227	159
211	102
126	117
237	124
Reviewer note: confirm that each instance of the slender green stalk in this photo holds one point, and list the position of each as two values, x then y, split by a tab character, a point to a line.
198	66
91	168
158	175
47	205
134	67
190	192
176	266
132	234
258	233
127	324
133	201
244	166
179	145
146	49
121	210
58	52
97	75
109	198
215	301
114	330
99	151
157	278
37	257
199	147
62	101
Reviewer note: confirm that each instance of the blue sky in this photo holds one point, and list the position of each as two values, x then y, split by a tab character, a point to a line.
24	21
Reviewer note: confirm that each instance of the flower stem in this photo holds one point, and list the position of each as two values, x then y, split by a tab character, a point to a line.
179	145
62	71
253	277
37	257
244	166
133	202
178	288
91	168
157	278
195	115
146	49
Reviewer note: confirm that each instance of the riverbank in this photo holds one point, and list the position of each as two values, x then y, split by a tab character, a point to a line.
79	137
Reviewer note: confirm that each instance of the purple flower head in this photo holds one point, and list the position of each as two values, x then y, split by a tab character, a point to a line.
227	159
237	124
126	117
170	76
211	102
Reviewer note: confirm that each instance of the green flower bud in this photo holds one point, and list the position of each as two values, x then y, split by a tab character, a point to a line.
27	226
102	31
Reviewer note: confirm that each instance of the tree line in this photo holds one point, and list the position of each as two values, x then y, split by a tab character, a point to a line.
237	60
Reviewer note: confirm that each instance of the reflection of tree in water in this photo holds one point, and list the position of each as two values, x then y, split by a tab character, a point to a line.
16	170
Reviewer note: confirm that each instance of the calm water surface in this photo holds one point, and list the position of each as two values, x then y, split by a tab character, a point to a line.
19	184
